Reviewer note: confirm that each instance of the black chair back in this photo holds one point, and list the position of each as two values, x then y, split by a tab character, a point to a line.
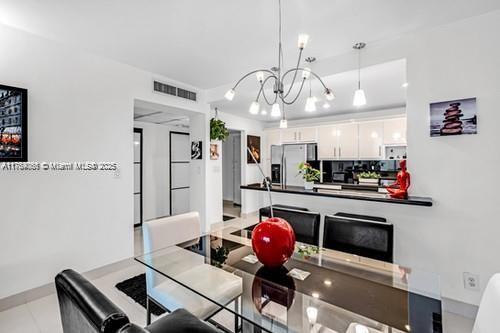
84	308
305	224
361	237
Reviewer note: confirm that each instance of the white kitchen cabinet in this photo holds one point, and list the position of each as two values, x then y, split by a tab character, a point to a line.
289	135
298	135
395	131
327	142
307	134
347	136
273	137
371	135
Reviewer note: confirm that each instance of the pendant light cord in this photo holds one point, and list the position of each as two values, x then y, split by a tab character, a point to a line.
359	68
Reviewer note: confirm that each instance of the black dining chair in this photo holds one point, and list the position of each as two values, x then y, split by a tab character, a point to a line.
360	235
305	224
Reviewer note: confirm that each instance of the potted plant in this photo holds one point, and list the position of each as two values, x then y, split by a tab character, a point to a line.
309	174
368	178
218	130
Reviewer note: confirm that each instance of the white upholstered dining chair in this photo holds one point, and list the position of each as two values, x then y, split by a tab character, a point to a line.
487	319
190	269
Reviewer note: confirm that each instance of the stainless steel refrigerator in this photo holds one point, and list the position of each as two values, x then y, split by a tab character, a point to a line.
285	160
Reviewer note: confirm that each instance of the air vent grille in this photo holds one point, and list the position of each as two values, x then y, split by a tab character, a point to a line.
174	91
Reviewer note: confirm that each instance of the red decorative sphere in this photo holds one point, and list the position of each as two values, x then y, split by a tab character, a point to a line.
273	241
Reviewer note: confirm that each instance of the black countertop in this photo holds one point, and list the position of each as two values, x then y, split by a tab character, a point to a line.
343	194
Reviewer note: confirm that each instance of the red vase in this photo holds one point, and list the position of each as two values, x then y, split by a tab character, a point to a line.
273	242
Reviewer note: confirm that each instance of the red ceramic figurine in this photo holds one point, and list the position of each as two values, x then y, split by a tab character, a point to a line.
273	242
399	189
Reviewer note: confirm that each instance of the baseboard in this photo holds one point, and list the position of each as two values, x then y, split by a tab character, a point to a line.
49	288
460	308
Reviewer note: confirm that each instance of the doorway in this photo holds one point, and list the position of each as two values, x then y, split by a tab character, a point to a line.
231	175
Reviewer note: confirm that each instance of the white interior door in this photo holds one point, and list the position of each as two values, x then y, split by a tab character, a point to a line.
180	156
237	169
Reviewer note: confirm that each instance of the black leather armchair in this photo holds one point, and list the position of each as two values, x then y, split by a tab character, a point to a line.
84	309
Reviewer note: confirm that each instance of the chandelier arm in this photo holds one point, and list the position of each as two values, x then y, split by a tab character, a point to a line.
253	72
294	75
267	101
314	74
297	96
262	91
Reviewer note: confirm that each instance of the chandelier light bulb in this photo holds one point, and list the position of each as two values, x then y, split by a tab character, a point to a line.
303	39
326	105
311	104
260	76
254	107
359	98
283	123
275	110
306	73
263	112
329	94
229	95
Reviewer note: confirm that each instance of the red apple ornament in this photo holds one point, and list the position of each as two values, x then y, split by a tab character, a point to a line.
273	242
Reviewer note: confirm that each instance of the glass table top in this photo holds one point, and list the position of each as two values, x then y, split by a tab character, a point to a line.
317	290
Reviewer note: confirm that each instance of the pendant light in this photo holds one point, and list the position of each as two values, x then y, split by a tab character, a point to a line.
359	94
311	100
283	122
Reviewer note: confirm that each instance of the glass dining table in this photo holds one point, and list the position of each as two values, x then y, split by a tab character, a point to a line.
316	290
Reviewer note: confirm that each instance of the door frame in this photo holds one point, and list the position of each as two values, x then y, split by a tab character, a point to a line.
170	167
141	162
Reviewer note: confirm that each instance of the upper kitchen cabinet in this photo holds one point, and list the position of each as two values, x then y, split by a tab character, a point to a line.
327	143
348	143
395	131
371	135
273	137
295	135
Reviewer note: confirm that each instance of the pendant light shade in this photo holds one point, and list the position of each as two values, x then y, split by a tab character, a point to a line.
254	108
311	104
229	95
283	123
359	98
275	110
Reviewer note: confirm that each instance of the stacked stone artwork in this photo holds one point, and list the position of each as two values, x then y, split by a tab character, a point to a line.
452	124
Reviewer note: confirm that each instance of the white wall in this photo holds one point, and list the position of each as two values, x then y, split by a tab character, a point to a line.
80	109
250	201
227	168
460	232
155	174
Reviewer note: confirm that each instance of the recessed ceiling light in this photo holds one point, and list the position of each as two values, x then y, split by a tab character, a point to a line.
327	282
315	295
326	105
405	85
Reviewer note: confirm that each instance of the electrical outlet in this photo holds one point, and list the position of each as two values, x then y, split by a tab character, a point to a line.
471	281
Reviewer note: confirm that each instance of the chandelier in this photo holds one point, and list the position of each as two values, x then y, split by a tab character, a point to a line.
276	76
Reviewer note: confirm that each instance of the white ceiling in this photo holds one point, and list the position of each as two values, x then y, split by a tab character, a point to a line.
160	117
382	85
208	43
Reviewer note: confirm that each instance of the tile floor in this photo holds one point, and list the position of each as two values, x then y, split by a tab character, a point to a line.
42	315
230	209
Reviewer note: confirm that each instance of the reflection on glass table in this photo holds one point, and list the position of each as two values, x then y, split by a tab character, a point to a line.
317	290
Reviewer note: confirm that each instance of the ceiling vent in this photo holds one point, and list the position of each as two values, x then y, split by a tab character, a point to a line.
174	91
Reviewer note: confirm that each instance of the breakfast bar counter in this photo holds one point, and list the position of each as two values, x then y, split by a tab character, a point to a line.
343	194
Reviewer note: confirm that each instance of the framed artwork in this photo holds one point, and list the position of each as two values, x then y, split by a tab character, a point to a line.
455	117
214	151
13	124
253	143
196	150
